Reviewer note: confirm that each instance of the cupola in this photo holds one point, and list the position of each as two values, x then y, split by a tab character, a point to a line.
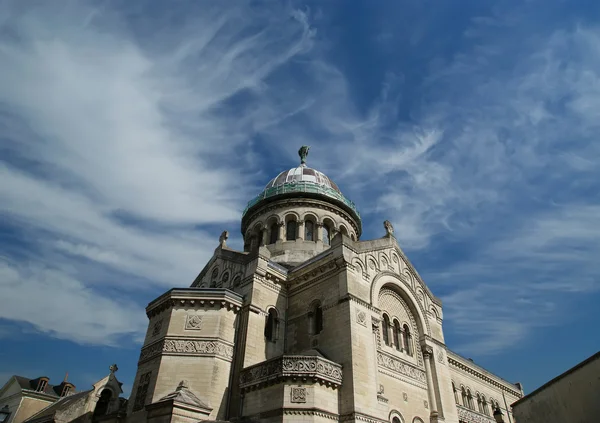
298	213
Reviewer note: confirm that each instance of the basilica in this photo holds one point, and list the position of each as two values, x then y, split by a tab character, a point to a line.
309	323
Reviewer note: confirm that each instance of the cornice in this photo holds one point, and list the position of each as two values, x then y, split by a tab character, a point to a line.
467	368
360	417
197	298
351	297
300	202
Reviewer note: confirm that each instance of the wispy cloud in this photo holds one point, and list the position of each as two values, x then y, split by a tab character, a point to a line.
116	147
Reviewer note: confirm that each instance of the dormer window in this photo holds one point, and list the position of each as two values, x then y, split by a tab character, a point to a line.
66	390
42	384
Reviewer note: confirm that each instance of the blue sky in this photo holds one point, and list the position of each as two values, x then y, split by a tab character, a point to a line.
132	134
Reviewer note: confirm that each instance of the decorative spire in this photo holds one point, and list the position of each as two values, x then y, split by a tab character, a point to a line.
66	377
303	152
113	368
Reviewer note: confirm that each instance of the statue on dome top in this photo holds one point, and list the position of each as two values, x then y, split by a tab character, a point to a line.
303	152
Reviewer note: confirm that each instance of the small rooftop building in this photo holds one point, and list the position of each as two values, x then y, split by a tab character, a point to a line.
572	397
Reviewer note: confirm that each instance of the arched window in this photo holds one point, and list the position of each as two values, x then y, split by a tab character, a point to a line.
318	319
385	329
213	278
479	404
225	279
290	231
396	420
456	398
308	231
407	338
271	325
465	400
397	335
102	404
343	230
326	234
274	233
352	237
470	399
486	410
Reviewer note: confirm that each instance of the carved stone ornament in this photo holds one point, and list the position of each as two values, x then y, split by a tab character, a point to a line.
187	347
381	390
440	356
157	328
223	238
467	415
361	318
389	229
292	367
401	367
425	404
405	396
193	322
298	394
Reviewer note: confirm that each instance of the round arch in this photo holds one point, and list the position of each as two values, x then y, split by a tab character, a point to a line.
395	414
391	279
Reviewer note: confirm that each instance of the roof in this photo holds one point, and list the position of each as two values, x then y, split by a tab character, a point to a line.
32	384
557	378
48	413
303	173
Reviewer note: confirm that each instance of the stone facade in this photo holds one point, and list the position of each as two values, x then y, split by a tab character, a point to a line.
308	324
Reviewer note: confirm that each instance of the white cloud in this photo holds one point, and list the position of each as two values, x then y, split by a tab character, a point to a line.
119	148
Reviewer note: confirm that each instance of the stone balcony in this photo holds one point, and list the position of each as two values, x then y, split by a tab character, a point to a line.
292	367
466	415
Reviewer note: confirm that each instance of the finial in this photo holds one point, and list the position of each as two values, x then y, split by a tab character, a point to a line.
113	368
223	238
66	377
183	384
389	229
303	152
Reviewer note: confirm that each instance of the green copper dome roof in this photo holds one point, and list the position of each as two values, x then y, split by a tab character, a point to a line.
303	181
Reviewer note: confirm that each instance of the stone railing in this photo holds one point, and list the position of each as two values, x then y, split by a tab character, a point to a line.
469	416
294	367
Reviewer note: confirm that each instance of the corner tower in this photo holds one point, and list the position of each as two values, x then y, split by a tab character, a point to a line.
297	215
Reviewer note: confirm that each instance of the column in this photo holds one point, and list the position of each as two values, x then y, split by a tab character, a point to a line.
300	229
265	237
318	234
281	236
427	354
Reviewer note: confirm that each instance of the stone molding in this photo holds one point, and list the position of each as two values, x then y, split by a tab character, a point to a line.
400	367
195	298
292	367
250	221
469	416
187	347
470	370
360	417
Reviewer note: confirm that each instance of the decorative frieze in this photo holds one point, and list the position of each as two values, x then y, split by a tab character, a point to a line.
398	366
170	346
466	415
294	367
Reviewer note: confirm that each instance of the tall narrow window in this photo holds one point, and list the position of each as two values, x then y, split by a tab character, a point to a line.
213	278
465	400
385	329
479	404
308	231
42	385
397	335
326	233
486	410
271	325
470	399
456	398
318	319
290	233
274	233
142	391
407	340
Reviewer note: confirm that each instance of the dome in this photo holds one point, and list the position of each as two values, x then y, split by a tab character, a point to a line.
304	182
303	173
